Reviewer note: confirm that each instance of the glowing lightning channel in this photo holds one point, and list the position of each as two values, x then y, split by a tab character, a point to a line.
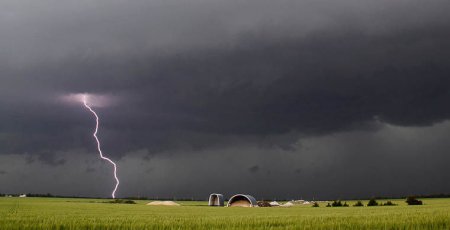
99	148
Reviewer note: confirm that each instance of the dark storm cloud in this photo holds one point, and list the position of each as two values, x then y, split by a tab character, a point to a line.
323	83
90	170
392	161
254	169
198	75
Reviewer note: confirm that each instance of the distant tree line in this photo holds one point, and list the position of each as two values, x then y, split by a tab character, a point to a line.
411	200
39	195
441	195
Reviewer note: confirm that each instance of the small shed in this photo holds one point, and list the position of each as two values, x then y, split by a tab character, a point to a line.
241	200
216	199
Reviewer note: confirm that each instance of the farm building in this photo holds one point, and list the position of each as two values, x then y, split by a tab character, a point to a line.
216	200
241	200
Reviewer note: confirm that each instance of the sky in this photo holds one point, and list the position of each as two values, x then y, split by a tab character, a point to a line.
287	99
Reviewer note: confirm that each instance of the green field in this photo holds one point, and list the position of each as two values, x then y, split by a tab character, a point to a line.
66	213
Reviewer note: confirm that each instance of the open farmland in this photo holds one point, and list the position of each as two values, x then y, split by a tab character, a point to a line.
66	213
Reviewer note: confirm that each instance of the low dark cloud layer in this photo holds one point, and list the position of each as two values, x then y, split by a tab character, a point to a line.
255	79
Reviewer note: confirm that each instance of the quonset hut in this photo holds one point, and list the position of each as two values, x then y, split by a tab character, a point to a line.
241	200
216	200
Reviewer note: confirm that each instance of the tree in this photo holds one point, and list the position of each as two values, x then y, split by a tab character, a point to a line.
389	203
337	203
411	200
372	202
358	204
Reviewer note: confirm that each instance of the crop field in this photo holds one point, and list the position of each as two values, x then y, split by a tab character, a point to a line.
68	213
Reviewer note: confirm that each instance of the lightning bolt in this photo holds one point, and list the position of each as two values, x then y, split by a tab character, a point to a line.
99	147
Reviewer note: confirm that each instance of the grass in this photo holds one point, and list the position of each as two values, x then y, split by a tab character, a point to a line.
64	213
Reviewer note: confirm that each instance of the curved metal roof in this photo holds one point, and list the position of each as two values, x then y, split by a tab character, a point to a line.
251	199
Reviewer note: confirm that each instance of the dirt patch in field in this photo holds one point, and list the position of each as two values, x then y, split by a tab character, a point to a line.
287	204
163	203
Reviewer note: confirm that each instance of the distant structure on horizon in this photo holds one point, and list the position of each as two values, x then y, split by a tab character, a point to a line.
216	199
